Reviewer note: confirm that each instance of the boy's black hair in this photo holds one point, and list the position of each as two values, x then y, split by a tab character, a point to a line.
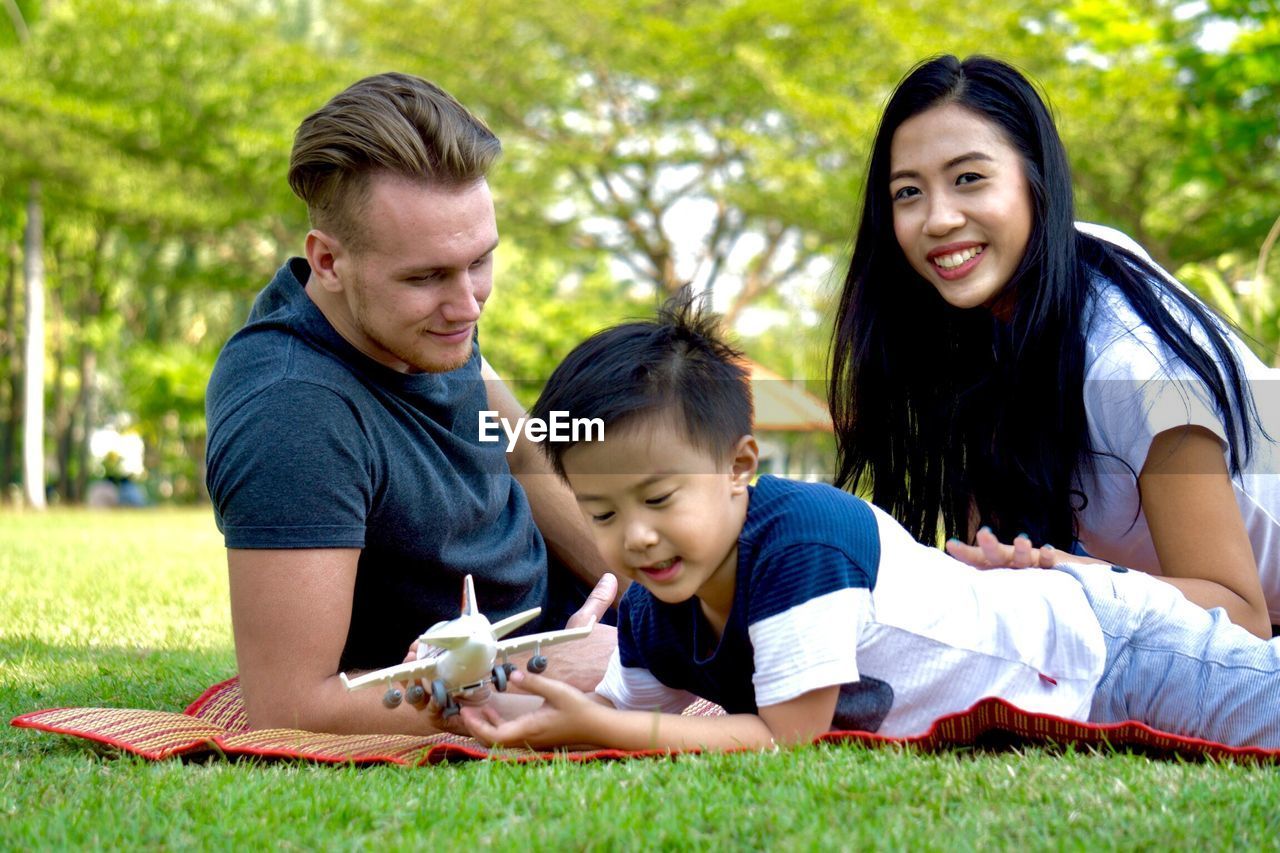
675	365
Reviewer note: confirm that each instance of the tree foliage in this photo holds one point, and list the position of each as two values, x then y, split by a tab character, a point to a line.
158	132
649	143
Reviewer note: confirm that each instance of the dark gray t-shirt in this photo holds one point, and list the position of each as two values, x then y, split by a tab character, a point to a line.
312	444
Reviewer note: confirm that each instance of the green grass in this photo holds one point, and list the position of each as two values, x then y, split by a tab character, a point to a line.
130	609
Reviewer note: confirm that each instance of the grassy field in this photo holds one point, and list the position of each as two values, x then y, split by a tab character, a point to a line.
130	609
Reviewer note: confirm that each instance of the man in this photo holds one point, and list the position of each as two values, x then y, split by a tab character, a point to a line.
344	461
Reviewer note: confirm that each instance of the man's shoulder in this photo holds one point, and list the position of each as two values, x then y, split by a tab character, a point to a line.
263	363
278	346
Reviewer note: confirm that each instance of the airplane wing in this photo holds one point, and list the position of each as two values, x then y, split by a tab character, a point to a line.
414	669
546	638
505	626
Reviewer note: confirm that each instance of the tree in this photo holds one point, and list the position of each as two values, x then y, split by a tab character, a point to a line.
724	143
136	118
648	143
666	135
33	280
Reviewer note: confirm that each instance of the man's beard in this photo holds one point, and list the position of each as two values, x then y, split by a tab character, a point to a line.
414	360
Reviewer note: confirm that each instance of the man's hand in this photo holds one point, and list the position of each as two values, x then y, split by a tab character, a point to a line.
418	695
582	663
597	603
565	718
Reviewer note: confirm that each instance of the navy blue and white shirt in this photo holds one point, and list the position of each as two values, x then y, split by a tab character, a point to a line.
832	591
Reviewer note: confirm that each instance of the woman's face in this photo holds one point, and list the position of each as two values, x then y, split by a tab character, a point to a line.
961	205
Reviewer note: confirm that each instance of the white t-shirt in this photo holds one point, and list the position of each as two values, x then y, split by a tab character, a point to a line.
1029	637
940	634
1134	389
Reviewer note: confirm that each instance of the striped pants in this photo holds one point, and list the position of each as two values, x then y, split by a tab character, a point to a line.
1178	667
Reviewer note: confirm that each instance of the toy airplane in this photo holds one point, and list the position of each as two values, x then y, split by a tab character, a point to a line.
464	654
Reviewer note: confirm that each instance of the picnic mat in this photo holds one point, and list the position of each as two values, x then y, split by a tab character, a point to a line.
215	724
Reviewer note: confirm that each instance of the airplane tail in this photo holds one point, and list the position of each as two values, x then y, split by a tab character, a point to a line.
468	597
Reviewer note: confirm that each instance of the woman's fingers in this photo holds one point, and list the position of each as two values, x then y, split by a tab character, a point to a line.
1024	556
968	554
1050	557
989	552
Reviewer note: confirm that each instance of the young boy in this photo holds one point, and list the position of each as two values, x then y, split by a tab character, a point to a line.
800	608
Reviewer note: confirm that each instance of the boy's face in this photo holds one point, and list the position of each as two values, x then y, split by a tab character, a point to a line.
664	512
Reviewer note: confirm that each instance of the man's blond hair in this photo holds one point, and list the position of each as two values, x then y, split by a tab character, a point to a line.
393	124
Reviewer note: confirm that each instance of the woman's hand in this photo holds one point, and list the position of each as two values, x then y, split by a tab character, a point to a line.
988	552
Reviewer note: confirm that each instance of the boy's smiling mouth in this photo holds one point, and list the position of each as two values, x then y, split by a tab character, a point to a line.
663	569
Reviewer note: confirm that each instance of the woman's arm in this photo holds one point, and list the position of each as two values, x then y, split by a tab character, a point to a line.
569	717
1197	529
1195	526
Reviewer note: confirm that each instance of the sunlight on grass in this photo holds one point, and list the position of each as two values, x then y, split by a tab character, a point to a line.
130	610
150	579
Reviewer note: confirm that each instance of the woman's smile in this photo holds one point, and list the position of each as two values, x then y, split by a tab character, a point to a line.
962	209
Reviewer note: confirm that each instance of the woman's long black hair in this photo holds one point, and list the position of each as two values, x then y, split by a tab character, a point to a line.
957	416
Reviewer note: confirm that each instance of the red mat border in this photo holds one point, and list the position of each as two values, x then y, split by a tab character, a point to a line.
225	733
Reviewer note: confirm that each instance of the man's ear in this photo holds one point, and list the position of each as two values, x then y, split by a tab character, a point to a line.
324	253
746	459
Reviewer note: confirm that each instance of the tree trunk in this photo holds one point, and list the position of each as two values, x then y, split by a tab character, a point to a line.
59	414
87	405
33	397
19	23
12	376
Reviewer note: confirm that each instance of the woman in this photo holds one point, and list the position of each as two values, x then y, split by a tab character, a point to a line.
996	365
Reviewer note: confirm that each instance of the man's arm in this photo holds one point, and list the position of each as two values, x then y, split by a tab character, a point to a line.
290	611
554	510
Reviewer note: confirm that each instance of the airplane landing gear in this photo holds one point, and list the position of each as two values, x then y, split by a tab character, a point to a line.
500	678
537	664
440	694
392	697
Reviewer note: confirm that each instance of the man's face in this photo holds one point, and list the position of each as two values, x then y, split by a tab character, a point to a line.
413	293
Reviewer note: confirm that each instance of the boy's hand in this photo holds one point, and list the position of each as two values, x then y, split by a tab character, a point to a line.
565	718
